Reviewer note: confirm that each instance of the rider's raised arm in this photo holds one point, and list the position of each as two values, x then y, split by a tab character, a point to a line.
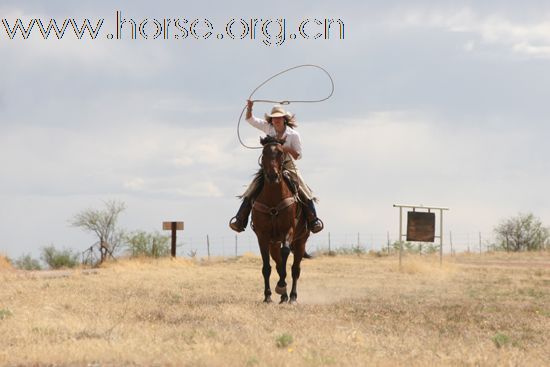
253	120
258	123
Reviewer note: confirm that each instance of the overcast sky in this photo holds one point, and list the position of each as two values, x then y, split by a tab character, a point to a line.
434	103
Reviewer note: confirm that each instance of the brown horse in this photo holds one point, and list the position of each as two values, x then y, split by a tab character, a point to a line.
278	221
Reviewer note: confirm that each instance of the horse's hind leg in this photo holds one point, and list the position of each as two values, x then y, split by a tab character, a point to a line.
295	275
298	254
266	272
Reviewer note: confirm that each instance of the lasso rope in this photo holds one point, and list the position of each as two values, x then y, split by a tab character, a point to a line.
282	102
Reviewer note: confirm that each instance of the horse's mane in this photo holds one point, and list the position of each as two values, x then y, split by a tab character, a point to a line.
271	140
259	178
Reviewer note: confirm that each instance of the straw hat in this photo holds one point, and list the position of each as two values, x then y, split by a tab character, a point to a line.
279	111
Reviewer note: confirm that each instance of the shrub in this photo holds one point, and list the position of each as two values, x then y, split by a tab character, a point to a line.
26	262
141	243
57	259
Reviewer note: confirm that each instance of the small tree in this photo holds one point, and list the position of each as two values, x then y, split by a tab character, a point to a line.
57	259
103	223
141	243
523	232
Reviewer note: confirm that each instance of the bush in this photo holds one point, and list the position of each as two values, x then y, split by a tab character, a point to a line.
141	243
26	262
416	247
57	259
524	232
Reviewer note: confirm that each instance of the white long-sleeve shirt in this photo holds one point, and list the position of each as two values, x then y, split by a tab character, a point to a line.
292	136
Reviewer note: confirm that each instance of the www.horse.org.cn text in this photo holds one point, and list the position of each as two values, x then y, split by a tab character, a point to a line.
271	32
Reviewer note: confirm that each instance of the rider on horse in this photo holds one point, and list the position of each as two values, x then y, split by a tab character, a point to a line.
279	124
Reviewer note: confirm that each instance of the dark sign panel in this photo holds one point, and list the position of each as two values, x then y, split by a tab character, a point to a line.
420	226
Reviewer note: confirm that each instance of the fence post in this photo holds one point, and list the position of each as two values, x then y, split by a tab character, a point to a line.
451	241
208	246
480	243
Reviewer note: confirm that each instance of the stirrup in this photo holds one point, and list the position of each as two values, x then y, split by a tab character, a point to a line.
234	225
316	225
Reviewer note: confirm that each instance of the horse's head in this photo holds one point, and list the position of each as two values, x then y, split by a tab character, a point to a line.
272	158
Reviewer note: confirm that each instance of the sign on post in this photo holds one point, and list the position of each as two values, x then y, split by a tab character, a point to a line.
420	226
173	226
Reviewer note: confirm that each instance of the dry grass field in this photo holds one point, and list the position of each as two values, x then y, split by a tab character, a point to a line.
476	310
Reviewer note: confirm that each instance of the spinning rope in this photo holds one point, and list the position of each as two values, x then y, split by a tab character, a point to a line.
285	102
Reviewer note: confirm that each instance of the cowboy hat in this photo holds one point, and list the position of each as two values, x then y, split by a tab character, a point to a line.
279	111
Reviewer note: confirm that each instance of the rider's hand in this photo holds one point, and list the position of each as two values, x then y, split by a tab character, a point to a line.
249	104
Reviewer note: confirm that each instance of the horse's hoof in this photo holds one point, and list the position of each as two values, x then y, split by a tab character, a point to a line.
284	299
267	300
280	290
293	301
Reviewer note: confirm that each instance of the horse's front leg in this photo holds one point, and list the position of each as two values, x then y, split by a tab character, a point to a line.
280	256
266	271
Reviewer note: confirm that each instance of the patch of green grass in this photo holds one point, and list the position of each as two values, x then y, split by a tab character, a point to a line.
252	361
501	340
531	292
211	333
284	340
5	313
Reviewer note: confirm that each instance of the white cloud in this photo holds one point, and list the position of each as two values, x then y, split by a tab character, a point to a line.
178	187
135	184
531	39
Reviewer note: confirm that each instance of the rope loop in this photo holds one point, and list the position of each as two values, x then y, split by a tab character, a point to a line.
285	102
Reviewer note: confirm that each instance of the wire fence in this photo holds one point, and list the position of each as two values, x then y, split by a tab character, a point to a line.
239	244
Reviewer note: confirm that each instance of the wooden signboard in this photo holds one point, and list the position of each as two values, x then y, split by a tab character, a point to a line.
167	226
420	226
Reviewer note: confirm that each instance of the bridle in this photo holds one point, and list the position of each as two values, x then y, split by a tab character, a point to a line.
280	161
284	204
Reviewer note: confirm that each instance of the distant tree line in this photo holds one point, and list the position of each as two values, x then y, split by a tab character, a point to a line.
523	232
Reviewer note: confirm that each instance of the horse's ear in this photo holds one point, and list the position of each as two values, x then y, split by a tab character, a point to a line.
263	140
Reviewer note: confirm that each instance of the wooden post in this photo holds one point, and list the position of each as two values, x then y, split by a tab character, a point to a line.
329	251
388	234
236	246
208	245
173	226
